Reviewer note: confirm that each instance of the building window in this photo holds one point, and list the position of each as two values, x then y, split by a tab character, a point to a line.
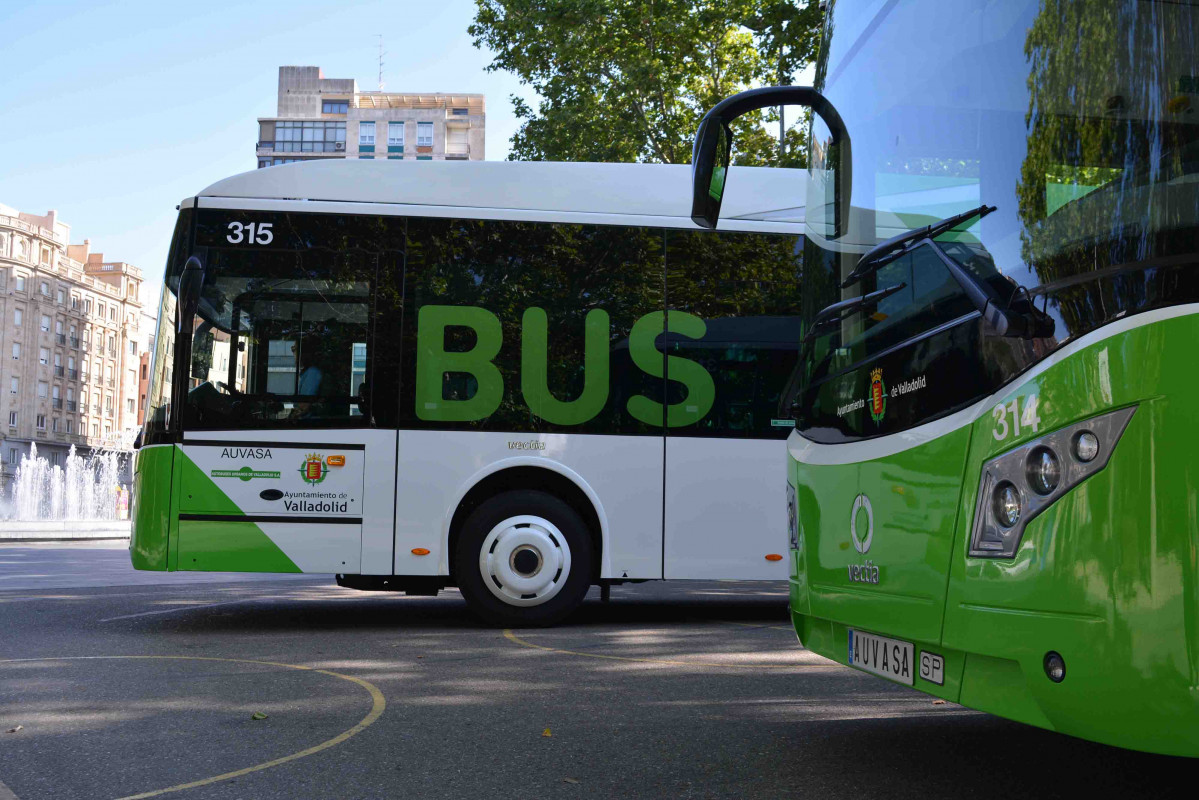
112	313
14	385
310	137
14	455
100	308
20	282
45	323
45	287
424	134
12	419
129	405
132	347
367	158
395	137
41	422
95	430
74	302
16	351
457	141
43	356
42	389
459	112
335	106
424	158
70	426
17	316
366	137
87	306
54	428
145	371
62	296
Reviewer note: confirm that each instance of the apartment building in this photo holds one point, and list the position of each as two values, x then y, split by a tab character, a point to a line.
70	342
319	117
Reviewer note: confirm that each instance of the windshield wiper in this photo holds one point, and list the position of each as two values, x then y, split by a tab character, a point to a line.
1014	315
896	247
846	308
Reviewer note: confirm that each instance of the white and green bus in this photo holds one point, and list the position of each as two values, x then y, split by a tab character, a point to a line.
992	480
521	379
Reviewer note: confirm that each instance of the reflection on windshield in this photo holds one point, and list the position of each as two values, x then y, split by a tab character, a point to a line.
1078	119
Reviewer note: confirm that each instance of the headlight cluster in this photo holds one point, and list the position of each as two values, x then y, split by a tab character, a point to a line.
1018	485
792	517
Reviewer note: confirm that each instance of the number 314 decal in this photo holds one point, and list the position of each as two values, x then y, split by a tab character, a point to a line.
1028	419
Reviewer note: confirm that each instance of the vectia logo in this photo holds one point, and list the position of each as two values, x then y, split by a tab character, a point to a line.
313	470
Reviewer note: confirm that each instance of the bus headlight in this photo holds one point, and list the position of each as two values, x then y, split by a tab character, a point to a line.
1007	504
1018	485
792	517
1044	470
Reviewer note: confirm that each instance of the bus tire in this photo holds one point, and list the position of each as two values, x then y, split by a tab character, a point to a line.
524	558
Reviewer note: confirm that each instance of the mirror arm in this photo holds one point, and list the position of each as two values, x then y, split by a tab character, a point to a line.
704	210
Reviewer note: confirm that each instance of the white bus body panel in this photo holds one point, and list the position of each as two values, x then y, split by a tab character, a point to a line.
621	474
314	547
722	518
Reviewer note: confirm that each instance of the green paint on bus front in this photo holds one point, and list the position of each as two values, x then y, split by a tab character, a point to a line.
1105	576
160	540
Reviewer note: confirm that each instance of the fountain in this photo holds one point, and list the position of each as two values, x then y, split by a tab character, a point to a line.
86	489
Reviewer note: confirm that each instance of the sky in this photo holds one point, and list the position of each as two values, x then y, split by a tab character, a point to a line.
114	112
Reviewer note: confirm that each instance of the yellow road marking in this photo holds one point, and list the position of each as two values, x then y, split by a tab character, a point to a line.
512	637
378	704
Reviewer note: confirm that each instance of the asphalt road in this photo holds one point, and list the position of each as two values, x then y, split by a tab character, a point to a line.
125	684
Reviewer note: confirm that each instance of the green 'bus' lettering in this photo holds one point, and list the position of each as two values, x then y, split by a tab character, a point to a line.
534	366
701	389
433	362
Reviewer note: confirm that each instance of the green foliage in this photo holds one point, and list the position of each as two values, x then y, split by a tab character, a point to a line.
630	81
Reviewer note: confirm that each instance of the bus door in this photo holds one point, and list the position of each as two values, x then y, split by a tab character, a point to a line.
730	347
279	436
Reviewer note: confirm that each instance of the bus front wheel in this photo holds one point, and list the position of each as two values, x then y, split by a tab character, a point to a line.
524	558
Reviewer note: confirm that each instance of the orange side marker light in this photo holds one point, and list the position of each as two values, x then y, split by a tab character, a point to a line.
774	557
420	551
336	461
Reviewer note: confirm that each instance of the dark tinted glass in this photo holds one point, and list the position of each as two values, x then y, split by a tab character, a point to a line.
734	314
516	326
1077	119
285	329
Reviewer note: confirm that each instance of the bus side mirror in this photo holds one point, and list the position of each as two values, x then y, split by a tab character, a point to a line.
191	281
711	153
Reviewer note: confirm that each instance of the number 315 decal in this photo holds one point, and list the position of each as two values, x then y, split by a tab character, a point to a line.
250	233
1028	419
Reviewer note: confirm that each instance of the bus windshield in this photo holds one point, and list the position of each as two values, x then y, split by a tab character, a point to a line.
1078	121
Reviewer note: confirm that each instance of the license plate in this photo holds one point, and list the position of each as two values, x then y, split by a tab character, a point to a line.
889	658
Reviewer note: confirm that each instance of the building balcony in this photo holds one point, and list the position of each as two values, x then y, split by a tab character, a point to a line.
56	403
60	338
72	405
59	372
75	342
96	409
111	383
73	374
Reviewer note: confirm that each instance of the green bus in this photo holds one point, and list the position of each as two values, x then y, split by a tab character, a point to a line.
992	490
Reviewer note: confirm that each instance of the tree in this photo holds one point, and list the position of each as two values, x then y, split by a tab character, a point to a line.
630	81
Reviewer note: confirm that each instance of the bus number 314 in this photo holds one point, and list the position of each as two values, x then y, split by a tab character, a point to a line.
1028	419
